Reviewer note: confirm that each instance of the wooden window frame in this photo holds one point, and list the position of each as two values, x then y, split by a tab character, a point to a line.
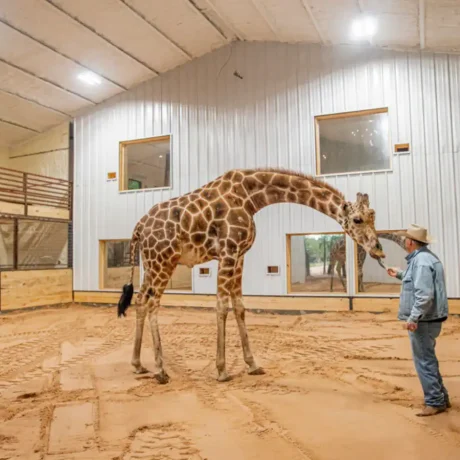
102	261
352	114
289	264
123	164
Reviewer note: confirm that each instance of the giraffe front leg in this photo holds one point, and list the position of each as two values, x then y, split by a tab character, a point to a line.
239	310
247	353
140	318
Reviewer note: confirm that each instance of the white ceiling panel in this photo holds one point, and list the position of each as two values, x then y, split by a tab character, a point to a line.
35	58
11	134
16	81
442	24
28	114
115	21
72	39
187	27
334	18
244	17
289	20
403	7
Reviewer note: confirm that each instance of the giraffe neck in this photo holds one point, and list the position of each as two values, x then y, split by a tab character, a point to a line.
265	188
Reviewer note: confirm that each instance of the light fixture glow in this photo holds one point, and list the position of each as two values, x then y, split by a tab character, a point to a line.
364	27
89	78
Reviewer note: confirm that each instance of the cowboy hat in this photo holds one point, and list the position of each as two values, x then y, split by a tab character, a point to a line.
417	233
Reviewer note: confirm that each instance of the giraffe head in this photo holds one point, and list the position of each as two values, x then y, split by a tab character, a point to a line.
358	220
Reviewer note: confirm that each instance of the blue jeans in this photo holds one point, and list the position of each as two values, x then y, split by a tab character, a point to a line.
423	342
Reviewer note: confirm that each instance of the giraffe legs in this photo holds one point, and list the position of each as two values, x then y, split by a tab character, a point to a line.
148	301
238	306
141	311
153	307
222	313
339	272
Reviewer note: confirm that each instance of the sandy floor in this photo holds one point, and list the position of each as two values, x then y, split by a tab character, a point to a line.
338	386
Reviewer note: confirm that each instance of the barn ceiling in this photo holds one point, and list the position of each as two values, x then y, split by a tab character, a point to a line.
46	46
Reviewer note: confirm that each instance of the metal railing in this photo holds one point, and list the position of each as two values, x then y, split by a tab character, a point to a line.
28	189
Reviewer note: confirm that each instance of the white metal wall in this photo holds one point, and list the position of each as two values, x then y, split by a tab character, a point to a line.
219	121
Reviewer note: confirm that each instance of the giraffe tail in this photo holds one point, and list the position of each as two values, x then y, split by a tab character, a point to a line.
128	289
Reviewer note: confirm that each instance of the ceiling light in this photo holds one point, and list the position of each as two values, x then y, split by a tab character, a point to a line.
89	78
161	156
364	27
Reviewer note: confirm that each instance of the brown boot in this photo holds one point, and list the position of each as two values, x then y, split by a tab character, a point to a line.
431	410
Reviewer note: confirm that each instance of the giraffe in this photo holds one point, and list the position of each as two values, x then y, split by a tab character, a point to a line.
215	222
337	257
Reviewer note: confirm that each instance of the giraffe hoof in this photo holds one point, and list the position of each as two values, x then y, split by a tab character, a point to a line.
141	370
256	371
224	377
162	378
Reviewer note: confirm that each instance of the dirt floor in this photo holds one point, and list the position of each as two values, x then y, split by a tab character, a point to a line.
338	387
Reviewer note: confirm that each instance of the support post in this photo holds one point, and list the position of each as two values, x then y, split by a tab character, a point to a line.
15	243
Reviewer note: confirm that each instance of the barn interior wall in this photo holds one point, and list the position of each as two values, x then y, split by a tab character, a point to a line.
253	105
46	154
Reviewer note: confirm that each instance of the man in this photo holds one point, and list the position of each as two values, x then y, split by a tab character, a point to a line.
423	305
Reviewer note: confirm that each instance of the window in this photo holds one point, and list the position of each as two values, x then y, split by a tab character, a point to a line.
33	244
317	263
115	268
145	163
353	142
181	280
114	265
370	277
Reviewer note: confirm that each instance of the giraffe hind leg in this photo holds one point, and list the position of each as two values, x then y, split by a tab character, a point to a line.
141	311
239	311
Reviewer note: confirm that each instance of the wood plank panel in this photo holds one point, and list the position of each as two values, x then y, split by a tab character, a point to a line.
56	138
251	302
33	288
301	303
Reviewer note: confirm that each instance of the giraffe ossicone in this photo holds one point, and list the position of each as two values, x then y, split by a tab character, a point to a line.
215	222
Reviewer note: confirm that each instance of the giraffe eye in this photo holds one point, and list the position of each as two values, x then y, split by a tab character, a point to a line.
357	220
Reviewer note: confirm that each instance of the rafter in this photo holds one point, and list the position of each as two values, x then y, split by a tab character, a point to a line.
23	32
158	32
32	101
266	17
314	21
17	125
224	19
82	24
421	23
47	82
208	20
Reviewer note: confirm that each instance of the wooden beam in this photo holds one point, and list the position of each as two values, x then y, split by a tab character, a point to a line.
315	22
44	45
225	20
282	303
114	45
421	23
158	32
261	10
202	15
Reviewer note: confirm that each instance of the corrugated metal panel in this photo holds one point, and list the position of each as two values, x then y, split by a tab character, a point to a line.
219	121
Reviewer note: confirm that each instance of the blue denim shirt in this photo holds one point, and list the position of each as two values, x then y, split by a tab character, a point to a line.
423	290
